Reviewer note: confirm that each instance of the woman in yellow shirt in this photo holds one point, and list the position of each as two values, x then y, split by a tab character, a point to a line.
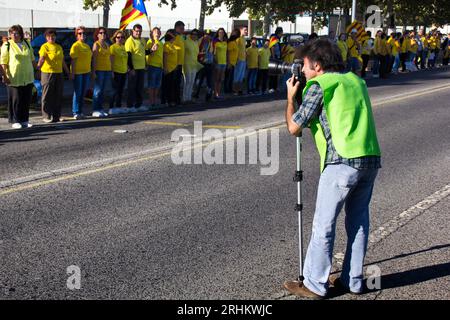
263	66
191	64
220	58
155	63
17	61
101	71
119	66
252	66
170	63
51	62
232	58
342	45
81	55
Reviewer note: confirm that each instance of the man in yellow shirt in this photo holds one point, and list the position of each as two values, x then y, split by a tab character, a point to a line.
263	66
241	64
135	46
252	66
423	57
354	48
179	45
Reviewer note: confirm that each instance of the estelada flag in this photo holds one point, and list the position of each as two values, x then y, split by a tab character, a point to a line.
134	9
361	32
273	41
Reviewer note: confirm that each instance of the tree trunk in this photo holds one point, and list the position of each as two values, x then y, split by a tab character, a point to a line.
106	14
313	18
201	23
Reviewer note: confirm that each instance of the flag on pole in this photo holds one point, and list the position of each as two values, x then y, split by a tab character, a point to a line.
361	34
134	9
273	41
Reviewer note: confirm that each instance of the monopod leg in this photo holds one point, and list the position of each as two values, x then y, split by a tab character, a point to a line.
299	206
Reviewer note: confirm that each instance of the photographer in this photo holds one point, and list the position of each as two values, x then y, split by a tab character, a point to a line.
336	107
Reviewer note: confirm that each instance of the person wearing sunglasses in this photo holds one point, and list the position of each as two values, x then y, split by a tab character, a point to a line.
119	65
81	55
101	71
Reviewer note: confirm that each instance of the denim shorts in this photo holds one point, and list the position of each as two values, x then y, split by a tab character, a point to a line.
154	77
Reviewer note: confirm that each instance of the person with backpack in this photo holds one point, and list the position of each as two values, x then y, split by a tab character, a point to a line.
18	66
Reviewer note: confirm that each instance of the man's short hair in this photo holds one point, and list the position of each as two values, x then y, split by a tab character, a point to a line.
137	26
179	24
325	53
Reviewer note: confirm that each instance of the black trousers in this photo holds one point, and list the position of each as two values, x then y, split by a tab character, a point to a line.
169	82
19	99
229	76
273	82
52	95
365	58
205	72
261	82
118	84
178	83
135	88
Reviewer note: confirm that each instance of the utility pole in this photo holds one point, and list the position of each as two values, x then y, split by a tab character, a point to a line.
353	10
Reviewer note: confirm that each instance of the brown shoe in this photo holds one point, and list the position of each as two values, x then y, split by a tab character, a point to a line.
299	289
335	281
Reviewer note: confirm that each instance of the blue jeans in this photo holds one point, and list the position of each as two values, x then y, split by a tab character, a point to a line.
353	64
252	76
239	71
396	63
102	79
80	85
340	185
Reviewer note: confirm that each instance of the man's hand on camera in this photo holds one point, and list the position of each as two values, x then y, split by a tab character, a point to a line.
292	87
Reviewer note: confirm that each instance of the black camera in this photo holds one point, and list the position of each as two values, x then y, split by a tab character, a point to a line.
280	67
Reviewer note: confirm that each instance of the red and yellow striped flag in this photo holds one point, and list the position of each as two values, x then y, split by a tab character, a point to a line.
361	34
134	9
273	41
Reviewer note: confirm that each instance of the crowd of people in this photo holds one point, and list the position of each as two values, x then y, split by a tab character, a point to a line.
400	52
177	66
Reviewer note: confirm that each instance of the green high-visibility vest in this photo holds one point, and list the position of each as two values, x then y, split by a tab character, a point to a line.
349	115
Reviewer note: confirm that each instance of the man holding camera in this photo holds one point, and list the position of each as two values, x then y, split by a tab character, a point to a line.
336	107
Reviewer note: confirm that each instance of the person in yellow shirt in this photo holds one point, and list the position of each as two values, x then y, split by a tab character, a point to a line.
241	65
396	51
17	63
366	49
263	66
252	66
220	46
119	66
51	63
404	49
381	55
135	46
179	45
155	51
232	58
191	64
170	63
413	48
424	55
354	47
81	55
446	51
343	47
101	70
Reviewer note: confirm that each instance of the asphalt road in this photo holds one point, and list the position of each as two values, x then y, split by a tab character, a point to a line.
140	227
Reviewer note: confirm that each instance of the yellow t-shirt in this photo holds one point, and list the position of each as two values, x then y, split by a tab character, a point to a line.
424	42
103	58
288	53
155	59
414	46
241	46
137	49
432	42
83	55
252	57
342	45
19	61
264	57
120	64
405	45
220	52
171	57
179	45
53	57
395	48
352	48
232	52
191	50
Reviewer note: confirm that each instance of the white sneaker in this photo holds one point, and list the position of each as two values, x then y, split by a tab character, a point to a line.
26	125
16	125
271	91
96	114
104	113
